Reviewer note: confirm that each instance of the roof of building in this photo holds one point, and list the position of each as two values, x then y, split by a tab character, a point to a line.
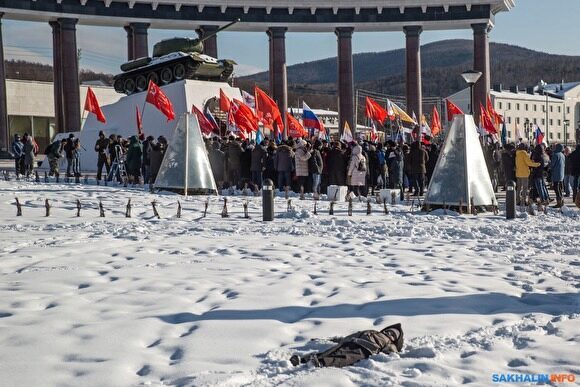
558	90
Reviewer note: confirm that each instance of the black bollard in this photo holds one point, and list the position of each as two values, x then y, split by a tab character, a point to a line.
331	209
315	213
78	208
268	201
412	206
385	206
369	208
45	177
18	208
349	205
205	208
101	209
128	209
225	209
47	207
36	177
246	215
510	200
178	209
155	213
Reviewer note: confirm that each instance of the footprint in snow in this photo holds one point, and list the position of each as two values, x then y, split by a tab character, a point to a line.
517	363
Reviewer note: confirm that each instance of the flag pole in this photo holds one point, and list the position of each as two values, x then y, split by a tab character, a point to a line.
186	152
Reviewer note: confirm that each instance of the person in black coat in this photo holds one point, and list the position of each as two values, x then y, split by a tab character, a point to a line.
508	164
337	162
575	171
217	162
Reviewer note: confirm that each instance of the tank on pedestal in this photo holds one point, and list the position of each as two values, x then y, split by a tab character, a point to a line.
174	60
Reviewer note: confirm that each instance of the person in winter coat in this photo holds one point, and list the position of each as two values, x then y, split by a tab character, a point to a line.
357	170
68	151
575	172
134	153
233	153
315	167
246	160
396	176
539	156
356	347
433	156
101	147
270	162
382	158
337	165
217	162
28	151
156	154
76	160
54	153
18	154
523	165
557	166
302	155
408	176
373	171
567	173
284	164
418	157
508	164
257	163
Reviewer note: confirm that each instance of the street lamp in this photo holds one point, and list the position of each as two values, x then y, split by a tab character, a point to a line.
566	124
471	77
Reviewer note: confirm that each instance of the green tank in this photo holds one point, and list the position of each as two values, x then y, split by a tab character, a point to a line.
174	60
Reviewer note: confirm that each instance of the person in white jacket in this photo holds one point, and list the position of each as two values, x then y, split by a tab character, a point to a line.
357	170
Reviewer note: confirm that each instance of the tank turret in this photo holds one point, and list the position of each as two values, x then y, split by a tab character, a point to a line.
174	60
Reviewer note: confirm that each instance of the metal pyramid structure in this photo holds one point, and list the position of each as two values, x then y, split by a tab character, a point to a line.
461	177
185	168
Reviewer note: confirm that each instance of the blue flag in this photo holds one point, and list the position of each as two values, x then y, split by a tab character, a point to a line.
259	137
503	135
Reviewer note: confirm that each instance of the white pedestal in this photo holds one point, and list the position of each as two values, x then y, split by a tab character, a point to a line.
337	193
387	194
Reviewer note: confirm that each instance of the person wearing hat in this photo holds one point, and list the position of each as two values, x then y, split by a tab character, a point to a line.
69	150
18	153
101	147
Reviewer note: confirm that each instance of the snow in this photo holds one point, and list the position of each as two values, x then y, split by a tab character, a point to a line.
218	301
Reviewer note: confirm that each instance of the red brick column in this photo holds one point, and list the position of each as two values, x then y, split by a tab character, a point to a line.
481	63
278	80
413	63
345	79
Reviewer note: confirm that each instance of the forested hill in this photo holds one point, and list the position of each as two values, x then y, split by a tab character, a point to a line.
442	62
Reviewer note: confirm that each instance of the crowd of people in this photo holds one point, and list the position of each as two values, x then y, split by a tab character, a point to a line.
311	165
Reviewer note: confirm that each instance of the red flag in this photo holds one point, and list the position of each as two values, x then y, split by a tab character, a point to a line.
92	106
244	117
486	120
435	122
225	103
206	126
157	98
495	117
267	110
452	109
139	121
295	128
375	111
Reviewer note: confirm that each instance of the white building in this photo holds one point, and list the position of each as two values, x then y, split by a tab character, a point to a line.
556	111
31	107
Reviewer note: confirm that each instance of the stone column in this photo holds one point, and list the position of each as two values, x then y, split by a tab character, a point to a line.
481	63
210	45
57	76
278	81
130	44
140	44
4	132
70	76
345	79
413	64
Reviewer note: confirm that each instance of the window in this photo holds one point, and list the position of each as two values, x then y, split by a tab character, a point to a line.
559	109
551	109
551	136
509	119
517	106
559	122
559	136
567	136
509	105
517	120
499	105
544	108
526	107
535	108
543	121
567	109
551	122
535	120
509	133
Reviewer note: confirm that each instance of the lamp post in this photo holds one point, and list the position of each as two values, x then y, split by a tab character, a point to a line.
471	77
566	124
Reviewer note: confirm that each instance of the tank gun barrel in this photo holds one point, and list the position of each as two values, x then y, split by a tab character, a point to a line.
206	37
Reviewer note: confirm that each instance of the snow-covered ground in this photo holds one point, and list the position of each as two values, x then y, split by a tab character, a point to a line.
209	301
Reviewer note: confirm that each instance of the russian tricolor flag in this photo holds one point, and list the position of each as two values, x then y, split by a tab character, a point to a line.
309	119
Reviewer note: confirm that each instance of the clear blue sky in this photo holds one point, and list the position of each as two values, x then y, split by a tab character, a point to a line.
544	25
